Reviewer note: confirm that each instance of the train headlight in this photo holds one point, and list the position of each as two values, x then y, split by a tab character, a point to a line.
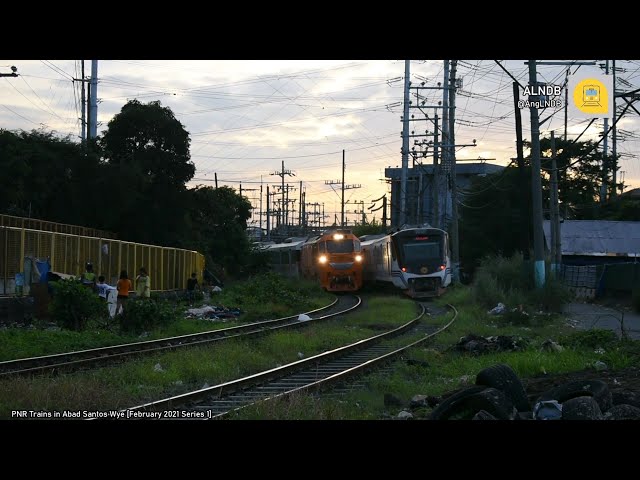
322	259
338	236
442	267
358	258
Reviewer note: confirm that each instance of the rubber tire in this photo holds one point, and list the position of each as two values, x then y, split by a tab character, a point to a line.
483	415
504	378
581	408
450	402
491	400
581	388
623	412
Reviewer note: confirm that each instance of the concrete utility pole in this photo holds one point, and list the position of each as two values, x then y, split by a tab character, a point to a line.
93	113
536	186
342	201
260	215
556	250
605	150
83	102
524	211
613	136
436	176
455	252
405	144
444	155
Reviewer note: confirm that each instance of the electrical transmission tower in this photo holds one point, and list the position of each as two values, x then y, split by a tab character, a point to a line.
344	187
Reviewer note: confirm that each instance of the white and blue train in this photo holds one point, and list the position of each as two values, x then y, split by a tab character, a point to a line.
416	260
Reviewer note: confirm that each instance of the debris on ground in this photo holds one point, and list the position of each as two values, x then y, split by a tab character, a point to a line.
551	346
498	309
303	317
213	312
158	368
477	345
404	415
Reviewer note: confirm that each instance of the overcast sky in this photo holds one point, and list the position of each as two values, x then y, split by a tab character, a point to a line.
246	117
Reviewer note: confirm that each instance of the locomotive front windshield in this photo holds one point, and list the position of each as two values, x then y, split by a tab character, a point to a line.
340	246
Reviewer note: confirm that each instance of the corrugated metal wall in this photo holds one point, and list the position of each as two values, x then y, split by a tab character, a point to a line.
169	268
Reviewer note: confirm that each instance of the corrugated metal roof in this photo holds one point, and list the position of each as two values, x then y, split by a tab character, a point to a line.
597	237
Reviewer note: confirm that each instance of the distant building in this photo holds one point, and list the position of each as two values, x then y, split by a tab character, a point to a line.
591	242
420	188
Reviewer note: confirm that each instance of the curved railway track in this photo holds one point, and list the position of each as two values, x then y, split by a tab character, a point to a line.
105	355
311	374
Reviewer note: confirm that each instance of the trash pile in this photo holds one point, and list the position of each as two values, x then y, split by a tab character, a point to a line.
477	345
500	395
213	313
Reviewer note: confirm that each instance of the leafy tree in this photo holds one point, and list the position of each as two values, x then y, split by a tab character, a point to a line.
148	165
369	229
218	223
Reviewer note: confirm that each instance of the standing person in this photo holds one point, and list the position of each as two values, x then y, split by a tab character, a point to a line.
88	278
124	286
104	291
192	285
143	284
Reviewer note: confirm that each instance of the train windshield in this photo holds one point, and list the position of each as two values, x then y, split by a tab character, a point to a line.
340	246
416	252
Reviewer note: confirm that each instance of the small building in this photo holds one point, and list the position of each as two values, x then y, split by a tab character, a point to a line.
420	191
599	255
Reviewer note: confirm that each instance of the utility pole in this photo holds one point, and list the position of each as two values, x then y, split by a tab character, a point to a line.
556	250
524	211
444	158
343	186
405	145
566	103
268	216
93	113
436	177
613	138
282	174
301	206
83	102
215	175
605	149
455	253
260	215
536	187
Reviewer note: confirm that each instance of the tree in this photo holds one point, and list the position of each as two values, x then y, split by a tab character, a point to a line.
218	222
148	159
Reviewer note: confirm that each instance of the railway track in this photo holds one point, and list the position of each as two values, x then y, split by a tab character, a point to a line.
105	355
312	374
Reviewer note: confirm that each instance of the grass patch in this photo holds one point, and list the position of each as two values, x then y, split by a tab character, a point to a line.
171	373
22	343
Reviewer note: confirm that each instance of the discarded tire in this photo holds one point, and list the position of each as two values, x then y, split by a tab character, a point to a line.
483	415
504	378
581	408
472	400
581	388
623	412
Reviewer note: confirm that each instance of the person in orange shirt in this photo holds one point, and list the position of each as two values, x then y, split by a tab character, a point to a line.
124	285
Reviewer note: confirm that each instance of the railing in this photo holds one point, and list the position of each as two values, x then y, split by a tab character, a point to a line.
36	224
169	268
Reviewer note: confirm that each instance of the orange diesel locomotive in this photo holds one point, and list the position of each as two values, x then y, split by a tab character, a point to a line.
334	259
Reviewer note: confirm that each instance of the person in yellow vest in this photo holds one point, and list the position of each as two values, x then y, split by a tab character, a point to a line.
143	284
88	278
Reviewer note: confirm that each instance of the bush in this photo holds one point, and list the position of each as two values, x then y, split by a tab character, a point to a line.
144	315
73	304
486	290
268	287
552	296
